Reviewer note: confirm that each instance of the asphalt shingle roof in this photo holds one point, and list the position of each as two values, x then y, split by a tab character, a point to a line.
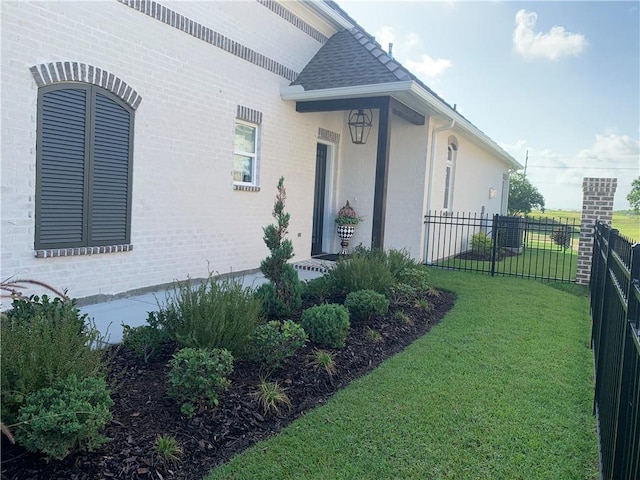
349	58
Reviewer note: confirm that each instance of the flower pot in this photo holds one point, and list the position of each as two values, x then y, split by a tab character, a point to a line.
345	232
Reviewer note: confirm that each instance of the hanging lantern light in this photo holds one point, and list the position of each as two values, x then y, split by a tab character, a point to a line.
360	125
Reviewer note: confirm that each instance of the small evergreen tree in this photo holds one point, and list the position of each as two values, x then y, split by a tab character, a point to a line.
282	295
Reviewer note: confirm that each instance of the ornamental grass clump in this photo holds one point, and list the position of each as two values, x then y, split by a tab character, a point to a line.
361	273
282	295
327	325
218	313
364	304
197	376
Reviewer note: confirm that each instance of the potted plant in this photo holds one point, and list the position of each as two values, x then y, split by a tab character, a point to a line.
347	219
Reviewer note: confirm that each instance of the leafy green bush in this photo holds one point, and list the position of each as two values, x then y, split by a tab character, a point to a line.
369	272
145	340
403	294
218	313
197	376
65	417
273	342
327	325
41	342
417	277
282	296
481	244
363	304
318	290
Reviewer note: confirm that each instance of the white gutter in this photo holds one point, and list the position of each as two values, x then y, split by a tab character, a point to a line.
326	11
447	112
432	161
298	93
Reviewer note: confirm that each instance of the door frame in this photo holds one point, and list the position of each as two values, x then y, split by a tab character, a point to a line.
328	225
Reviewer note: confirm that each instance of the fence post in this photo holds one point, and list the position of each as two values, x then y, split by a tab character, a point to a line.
633	315
597	204
494	243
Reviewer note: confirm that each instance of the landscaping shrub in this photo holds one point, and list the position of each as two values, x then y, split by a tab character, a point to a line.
197	376
282	296
416	277
273	342
145	340
363	304
561	237
65	417
481	244
327	325
41	342
369	272
403	294
318	290
219	313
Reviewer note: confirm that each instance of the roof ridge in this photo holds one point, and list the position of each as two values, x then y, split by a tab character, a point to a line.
378	53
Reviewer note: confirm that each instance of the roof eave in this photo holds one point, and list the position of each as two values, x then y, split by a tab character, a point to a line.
408	92
449	114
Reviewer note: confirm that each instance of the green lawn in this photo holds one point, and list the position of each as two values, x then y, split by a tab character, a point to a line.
627	223
500	389
544	262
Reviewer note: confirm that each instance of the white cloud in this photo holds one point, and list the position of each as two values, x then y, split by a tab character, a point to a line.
429	67
407	50
559	177
554	44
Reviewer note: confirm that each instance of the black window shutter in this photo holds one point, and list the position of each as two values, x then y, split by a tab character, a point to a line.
62	168
110	185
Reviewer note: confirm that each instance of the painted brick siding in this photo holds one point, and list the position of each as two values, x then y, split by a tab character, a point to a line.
186	217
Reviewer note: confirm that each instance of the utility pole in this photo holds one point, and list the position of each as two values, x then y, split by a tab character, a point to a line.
526	160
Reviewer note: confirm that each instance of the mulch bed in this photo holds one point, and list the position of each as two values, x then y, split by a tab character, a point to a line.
142	410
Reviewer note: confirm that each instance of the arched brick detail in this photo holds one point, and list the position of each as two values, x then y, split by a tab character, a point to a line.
50	73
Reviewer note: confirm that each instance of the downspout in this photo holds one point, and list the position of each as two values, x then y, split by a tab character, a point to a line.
432	161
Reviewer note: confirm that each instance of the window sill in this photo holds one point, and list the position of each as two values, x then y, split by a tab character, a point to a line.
76	251
246	188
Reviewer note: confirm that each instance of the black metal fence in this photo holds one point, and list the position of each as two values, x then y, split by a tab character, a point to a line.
542	248
615	339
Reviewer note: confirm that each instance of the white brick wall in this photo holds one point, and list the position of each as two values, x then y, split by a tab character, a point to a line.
186	217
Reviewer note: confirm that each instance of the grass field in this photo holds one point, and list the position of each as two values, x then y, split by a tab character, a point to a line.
546	262
502	388
627	223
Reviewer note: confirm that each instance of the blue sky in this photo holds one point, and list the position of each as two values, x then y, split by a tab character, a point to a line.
559	79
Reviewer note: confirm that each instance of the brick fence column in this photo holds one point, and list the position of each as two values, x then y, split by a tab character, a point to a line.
597	205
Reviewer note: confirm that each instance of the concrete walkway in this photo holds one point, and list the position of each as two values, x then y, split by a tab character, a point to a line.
133	310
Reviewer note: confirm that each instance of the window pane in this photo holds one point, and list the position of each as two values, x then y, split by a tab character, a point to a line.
242	169
245	140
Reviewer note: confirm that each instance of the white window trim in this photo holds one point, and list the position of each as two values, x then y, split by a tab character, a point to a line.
255	156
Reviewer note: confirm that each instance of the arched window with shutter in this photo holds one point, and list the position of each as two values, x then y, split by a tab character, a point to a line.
84	167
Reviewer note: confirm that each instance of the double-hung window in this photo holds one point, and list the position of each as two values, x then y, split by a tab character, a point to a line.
84	167
245	155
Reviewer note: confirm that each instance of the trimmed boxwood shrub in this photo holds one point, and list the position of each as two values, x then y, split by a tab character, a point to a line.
365	303
327	325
